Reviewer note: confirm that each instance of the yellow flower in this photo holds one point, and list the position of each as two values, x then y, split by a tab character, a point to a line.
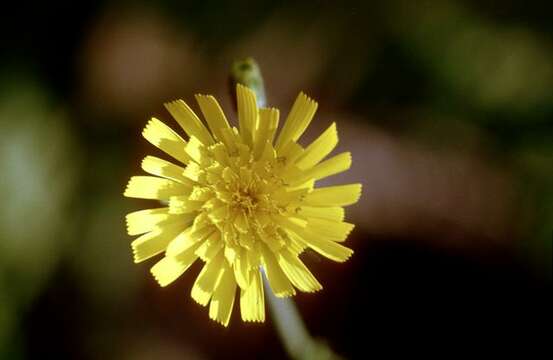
243	203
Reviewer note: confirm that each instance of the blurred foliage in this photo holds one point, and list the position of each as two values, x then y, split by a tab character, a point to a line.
39	164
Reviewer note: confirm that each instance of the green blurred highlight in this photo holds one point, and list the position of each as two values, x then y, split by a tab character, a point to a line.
247	72
39	162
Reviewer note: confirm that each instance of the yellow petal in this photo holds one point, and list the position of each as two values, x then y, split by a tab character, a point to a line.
319	148
142	221
309	185
297	272
297	121
296	247
201	194
335	213
241	269
290	152
170	268
329	229
247	240
247	112
244	153
149	187
254	257
289	222
329	249
231	138
340	195
189	121
213	114
252	299
280	285
268	152
265	132
231	252
207	280
332	166
193	172
284	196
139	222
188	238
220	154
156	166
183	205
194	149
155	242
210	247
241	221
219	214
222	300
163	137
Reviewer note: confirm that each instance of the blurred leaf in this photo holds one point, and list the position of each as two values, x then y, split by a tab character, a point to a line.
39	165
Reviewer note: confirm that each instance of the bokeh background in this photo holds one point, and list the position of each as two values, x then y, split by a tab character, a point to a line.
447	107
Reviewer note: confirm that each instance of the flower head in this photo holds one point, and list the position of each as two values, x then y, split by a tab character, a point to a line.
243	202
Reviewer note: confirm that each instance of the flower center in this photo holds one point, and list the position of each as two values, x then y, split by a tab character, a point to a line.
245	200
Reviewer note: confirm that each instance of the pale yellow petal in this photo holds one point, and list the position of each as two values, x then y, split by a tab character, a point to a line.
274	241
241	221
290	222
155	242
188	238
332	166
231	252
340	195
252	299
283	196
296	247
219	214
207	280
222	300
149	187
220	154
156	166
188	120
265	132
329	229
319	148
268	153
183	205
139	222
194	149
231	138
335	213
170	268
297	121
290	152
241	269
280	285
210	247
328	248
163	137
247	240
193	172
213	114
309	185
247	112
297	272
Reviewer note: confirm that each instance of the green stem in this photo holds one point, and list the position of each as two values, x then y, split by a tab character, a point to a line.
247	72
289	325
